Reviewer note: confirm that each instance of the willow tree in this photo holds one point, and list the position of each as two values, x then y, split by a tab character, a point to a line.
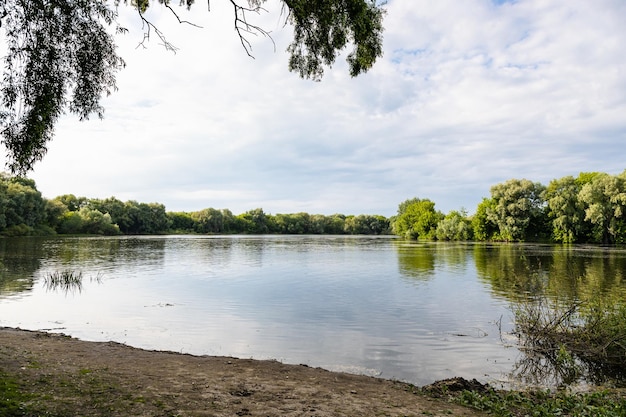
605	207
566	210
517	209
61	56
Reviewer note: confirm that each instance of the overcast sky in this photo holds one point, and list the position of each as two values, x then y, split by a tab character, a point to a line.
468	94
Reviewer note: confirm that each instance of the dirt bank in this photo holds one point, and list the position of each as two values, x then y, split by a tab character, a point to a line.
72	377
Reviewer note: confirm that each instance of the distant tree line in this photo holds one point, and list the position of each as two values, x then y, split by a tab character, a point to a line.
590	208
23	211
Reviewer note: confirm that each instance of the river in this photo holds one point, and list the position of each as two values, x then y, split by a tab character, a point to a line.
379	306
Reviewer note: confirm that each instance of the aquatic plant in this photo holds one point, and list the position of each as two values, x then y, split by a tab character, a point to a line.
65	280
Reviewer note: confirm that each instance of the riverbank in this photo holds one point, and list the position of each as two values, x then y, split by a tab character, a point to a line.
52	374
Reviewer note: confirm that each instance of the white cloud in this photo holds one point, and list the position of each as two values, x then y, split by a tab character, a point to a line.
467	95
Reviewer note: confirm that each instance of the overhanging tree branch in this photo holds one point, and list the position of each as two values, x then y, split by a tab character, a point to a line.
242	25
61	56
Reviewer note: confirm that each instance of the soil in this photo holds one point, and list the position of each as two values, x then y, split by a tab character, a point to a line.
67	376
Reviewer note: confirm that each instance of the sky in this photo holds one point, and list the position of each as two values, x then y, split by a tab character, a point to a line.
467	95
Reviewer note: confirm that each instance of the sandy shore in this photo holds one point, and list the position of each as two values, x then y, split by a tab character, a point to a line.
73	377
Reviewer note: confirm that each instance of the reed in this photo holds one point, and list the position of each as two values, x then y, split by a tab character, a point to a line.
65	280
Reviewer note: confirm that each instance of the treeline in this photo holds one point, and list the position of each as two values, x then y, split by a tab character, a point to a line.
590	208
23	211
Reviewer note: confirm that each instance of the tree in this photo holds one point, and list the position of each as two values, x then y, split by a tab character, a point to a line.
95	222
208	220
295	224
230	221
518	209
72	202
254	221
181	222
605	200
483	228
323	28
417	219
70	223
565	209
115	208
142	218
55	210
23	205
454	226
61	56
365	224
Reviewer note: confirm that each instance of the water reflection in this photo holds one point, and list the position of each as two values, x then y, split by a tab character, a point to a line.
20	258
522	272
513	271
24	261
527	276
416	261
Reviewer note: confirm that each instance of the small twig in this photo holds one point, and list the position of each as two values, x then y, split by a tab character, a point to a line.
146	36
242	25
179	19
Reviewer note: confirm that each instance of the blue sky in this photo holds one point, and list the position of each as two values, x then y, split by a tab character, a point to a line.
467	95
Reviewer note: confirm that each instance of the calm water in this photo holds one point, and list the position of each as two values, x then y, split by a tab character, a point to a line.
370	305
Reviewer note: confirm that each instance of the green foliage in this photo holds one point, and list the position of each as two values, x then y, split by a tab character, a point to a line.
146	218
321	224
517	209
18	230
181	222
364	224
87	221
590	208
208	220
255	221
455	226
565	209
417	219
54	211
483	228
605	207
295	224
545	404
12	399
71	202
96	222
322	29
22	209
117	209
61	56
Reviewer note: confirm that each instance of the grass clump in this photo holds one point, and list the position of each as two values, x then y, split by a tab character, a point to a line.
12	399
66	280
545	403
17	400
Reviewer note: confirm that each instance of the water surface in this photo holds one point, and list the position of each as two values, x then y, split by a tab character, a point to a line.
373	305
